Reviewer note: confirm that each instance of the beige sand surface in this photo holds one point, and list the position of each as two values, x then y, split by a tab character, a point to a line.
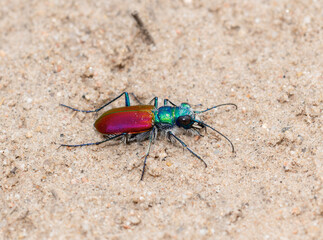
265	56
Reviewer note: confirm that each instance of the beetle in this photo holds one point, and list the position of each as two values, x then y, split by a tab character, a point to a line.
141	122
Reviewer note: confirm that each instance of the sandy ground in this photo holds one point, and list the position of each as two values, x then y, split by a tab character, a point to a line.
265	56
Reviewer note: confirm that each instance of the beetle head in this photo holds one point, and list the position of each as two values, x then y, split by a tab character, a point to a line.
185	116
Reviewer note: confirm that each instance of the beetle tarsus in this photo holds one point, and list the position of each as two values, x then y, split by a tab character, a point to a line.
95	143
151	137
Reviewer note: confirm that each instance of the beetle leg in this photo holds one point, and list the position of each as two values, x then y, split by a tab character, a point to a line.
127	102
170	134
197	131
155	101
151	136
95	143
155	133
135	97
202	126
126	138
166	101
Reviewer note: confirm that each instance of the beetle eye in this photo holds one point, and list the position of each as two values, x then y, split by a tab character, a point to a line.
184	120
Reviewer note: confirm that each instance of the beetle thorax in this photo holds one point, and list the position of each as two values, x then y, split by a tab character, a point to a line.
181	116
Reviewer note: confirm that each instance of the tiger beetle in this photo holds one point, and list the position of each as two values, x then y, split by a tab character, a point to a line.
141	122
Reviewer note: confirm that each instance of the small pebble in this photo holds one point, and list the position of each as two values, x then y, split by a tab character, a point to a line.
126	226
155	171
169	164
134	220
88	73
307	20
74	181
84	180
133	163
162	154
203	231
29	135
138	199
296	211
59	68
10	182
48	166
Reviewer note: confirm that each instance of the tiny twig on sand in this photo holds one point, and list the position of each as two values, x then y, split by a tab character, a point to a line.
148	38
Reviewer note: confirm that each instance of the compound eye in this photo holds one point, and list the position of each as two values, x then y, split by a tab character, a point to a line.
184	120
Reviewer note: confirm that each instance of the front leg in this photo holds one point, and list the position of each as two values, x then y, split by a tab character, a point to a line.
166	101
172	135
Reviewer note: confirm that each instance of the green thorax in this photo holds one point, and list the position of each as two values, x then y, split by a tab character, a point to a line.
169	115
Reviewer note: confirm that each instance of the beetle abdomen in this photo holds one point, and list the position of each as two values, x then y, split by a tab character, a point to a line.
133	119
